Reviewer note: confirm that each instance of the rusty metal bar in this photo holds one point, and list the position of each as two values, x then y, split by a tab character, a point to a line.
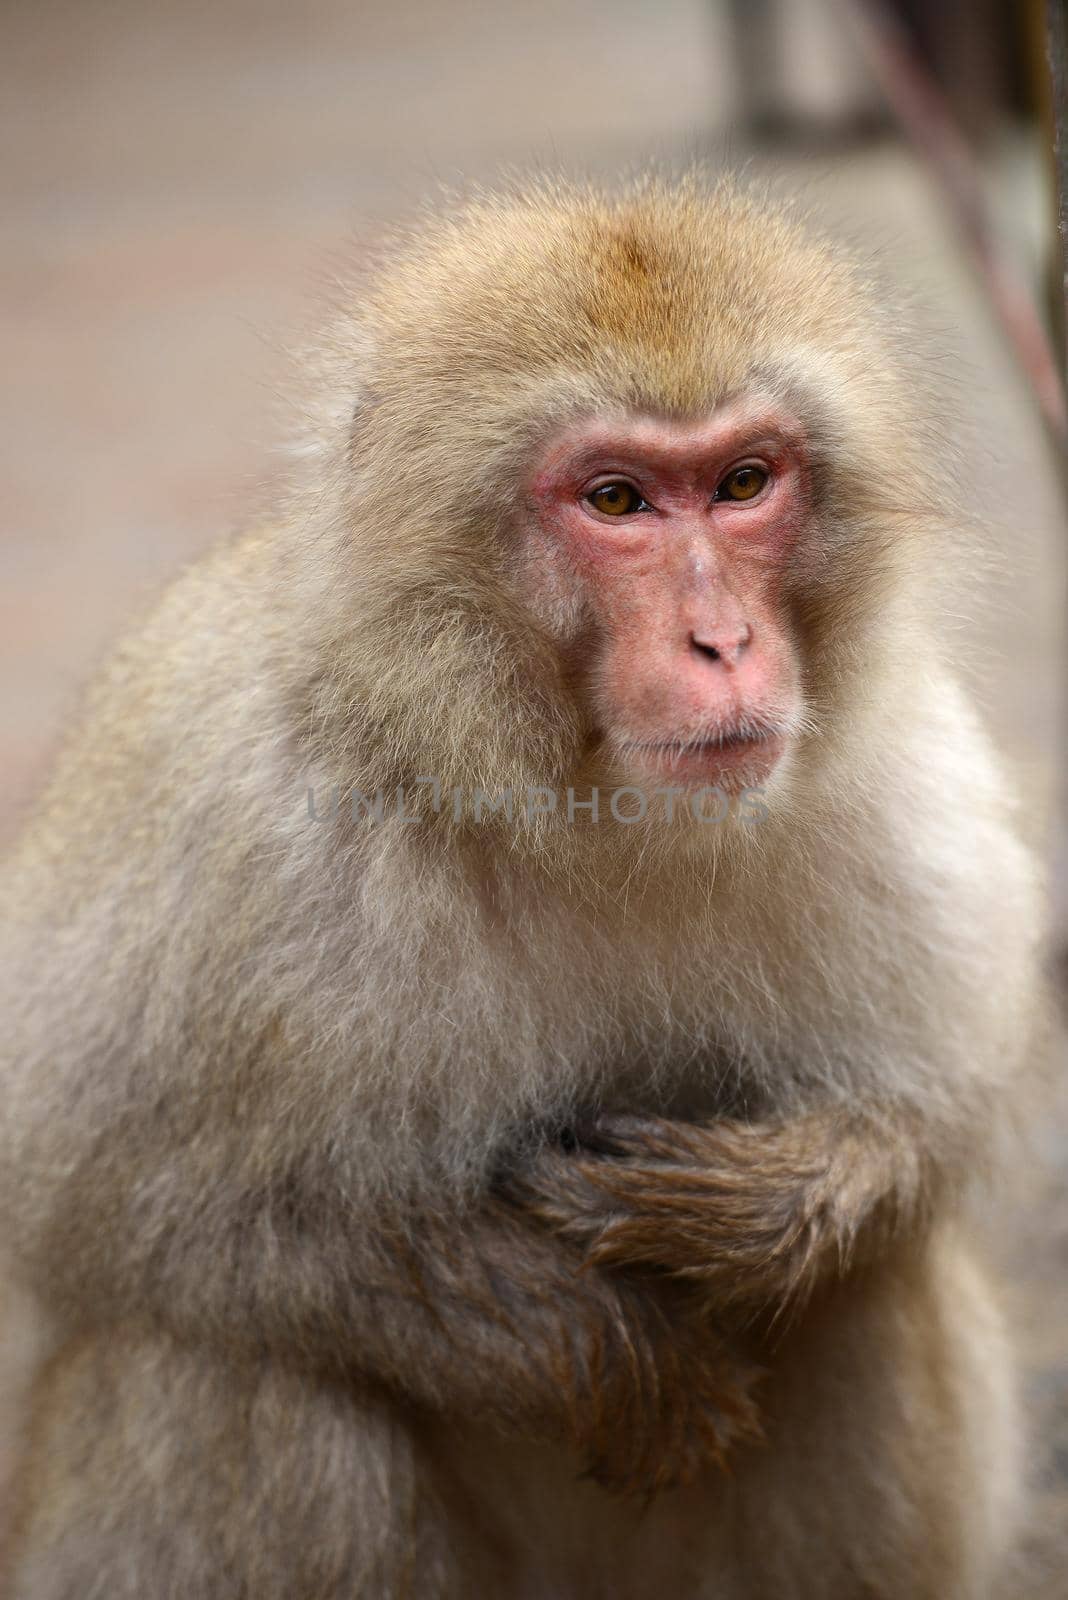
921	110
1057	55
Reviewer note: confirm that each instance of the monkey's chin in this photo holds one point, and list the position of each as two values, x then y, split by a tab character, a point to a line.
729	764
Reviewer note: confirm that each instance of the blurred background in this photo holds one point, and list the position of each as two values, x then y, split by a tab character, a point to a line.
179	177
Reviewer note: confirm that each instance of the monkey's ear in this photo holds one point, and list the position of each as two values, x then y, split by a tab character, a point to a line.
337	386
367	401
363	398
362	410
337	424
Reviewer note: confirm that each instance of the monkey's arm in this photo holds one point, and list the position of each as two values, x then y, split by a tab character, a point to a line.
495	1319
758	1212
468	1310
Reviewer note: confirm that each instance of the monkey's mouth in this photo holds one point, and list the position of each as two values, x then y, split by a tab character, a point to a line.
730	757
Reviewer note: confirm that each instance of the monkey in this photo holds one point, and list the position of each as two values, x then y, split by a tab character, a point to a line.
428	1195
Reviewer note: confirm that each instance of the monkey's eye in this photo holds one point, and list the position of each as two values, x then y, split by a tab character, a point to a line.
616	499
742	484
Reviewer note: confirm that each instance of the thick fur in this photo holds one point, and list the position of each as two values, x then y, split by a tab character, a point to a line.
383	1177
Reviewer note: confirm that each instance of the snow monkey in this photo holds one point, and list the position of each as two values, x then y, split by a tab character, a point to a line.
521	961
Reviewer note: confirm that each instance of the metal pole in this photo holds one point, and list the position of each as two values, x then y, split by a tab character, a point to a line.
1057	50
919	106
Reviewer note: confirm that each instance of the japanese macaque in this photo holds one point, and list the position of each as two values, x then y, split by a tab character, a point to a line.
436	1196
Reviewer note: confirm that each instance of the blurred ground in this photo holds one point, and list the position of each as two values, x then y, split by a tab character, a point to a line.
178	177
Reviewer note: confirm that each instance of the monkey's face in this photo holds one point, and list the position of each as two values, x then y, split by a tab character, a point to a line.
661	551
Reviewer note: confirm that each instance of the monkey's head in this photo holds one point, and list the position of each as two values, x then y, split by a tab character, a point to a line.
629	494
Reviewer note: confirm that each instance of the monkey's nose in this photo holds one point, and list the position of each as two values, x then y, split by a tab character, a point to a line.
726	646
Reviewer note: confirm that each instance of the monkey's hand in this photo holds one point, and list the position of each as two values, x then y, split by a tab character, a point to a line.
657	1396
756	1212
636	1377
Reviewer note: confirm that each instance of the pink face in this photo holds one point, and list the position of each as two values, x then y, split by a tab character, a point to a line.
676	539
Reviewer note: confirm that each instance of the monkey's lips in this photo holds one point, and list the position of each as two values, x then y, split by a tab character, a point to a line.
731	760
